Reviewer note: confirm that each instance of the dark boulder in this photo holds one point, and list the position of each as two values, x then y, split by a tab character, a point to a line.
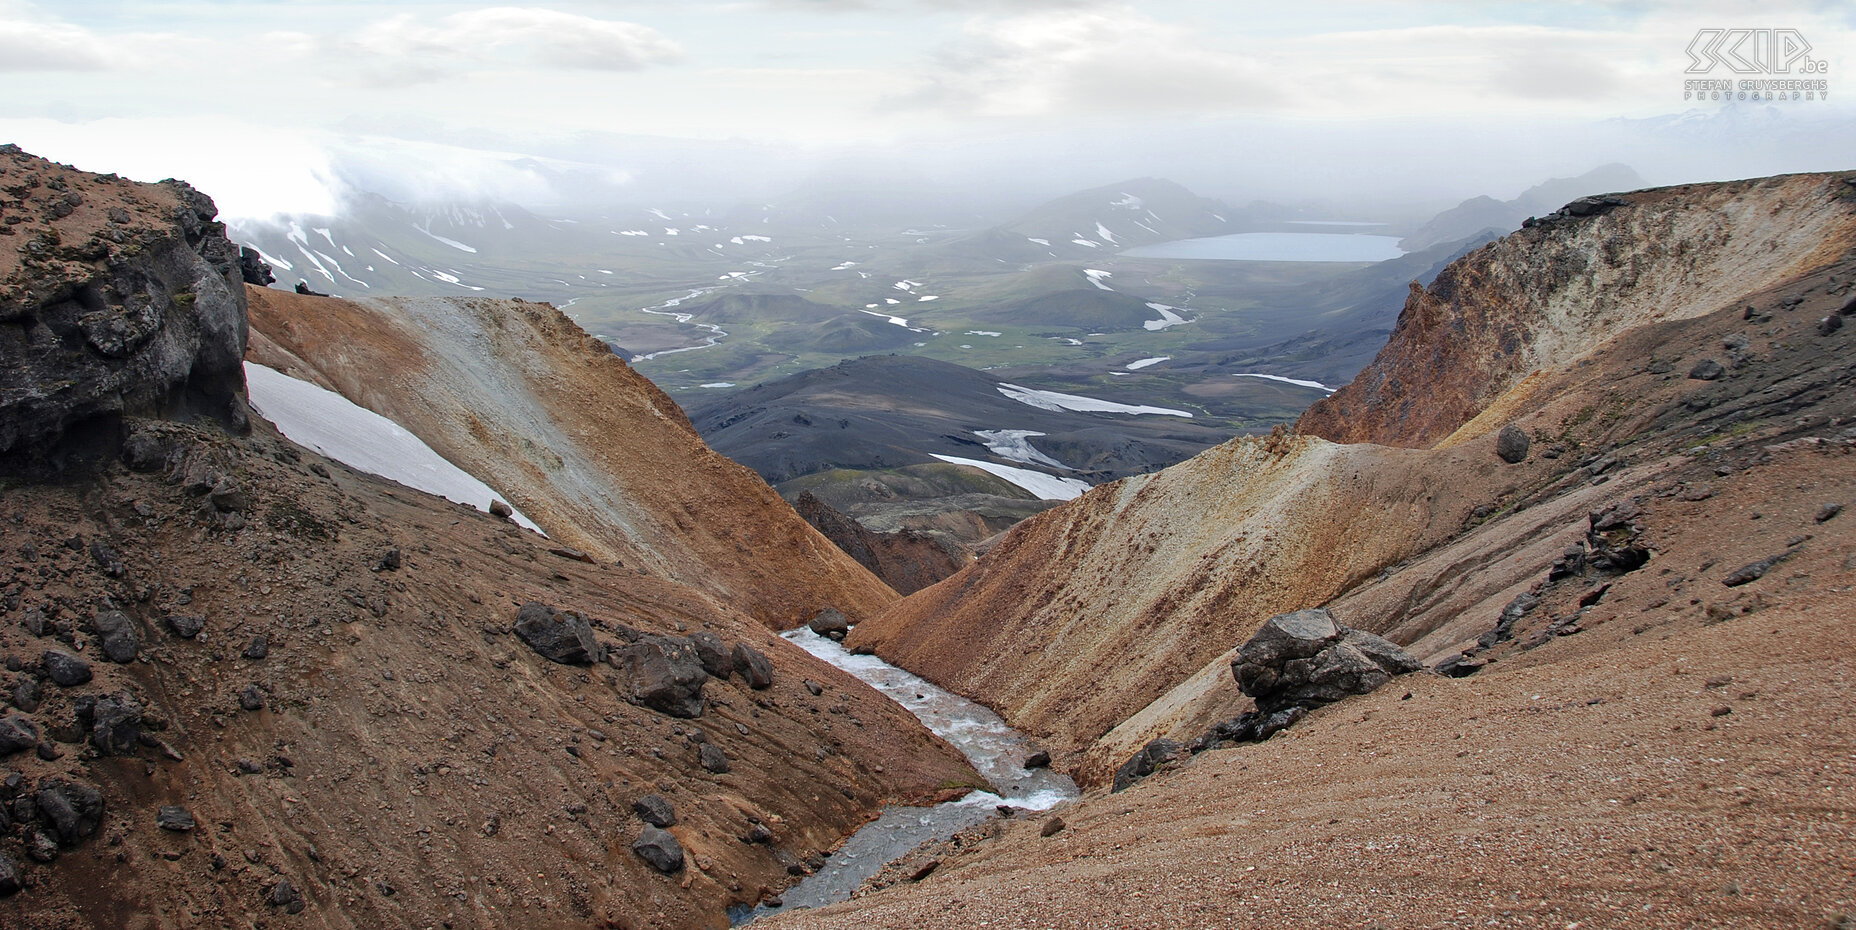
117	636
754	666
1148	760
716	659
10	883
65	669
284	895
26	695
1305	659
1707	370
252	267
830	622
107	558
174	818
712	758
72	811
259	648
655	810
558	635
252	698
116	725
186	627
1829	324
1511	444
17	734
1038	760
662	673
660	849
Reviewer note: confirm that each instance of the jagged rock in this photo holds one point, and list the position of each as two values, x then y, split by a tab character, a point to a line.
117	636
175	818
186	627
252	268
35	622
660	849
41	846
558	635
251	698
662	673
65	669
26	695
1306	659
302	287
149	320
1707	370
228	497
1052	827
284	895
1747	574
1460	666
73	811
830	622
571	554
814	688
924	870
1145	762
758	833
1037	760
107	558
716	659
10	883
17	734
1511	444
713	759
501	510
259	648
1828	512
655	810
754	666
116	725
389	561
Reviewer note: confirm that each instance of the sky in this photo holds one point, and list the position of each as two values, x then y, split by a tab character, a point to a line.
292	105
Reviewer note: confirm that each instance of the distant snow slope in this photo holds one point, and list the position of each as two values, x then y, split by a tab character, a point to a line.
1052	400
356	436
1047	487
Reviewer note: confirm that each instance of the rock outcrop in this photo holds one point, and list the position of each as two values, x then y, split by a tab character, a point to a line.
117	299
906	560
1305	659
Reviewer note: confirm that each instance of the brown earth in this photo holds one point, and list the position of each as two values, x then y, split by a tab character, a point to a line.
519	396
408	740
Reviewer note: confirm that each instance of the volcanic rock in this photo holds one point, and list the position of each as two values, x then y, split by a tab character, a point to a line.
754	666
663	673
716	659
655	810
831	623
558	635
1306	659
117	635
660	849
1511	444
65	669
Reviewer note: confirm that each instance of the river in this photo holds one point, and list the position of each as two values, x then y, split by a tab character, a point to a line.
996	750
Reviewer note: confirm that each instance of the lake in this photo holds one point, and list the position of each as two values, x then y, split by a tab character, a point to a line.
1276	247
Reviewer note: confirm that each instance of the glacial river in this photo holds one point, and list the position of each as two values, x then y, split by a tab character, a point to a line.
997	752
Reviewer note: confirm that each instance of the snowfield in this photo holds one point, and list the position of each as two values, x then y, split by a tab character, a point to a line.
1014	444
362	439
1051	400
1046	487
1296	381
1148	362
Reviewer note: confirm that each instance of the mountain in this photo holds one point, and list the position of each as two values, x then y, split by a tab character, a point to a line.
1102	221
1609	593
1263	525
1476	214
248	684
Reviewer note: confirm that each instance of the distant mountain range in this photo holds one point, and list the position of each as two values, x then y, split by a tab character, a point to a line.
1478	214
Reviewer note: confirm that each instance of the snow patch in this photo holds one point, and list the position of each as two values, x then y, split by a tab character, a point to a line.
1015	445
1088	242
984	332
336	427
1096	276
384	255
1052	400
1295	381
450	242
1046	487
1148	362
719	384
1043	242
1167	318
1107	236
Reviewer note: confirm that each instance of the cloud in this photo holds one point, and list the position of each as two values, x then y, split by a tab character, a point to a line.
45	46
406	49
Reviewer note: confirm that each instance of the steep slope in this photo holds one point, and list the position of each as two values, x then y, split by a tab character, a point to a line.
1085	615
906	560
1486	213
1547	295
246	684
507	389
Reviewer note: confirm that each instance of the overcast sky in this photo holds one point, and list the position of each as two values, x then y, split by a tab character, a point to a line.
270	105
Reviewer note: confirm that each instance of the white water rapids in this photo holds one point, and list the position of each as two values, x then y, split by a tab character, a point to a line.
996	750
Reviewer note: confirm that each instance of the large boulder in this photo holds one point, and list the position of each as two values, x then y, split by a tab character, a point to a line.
716	659
558	635
1144	763
660	849
121	300
663	673
17	734
754	666
116	725
830	623
117	636
73	811
64	669
1306	659
1511	444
